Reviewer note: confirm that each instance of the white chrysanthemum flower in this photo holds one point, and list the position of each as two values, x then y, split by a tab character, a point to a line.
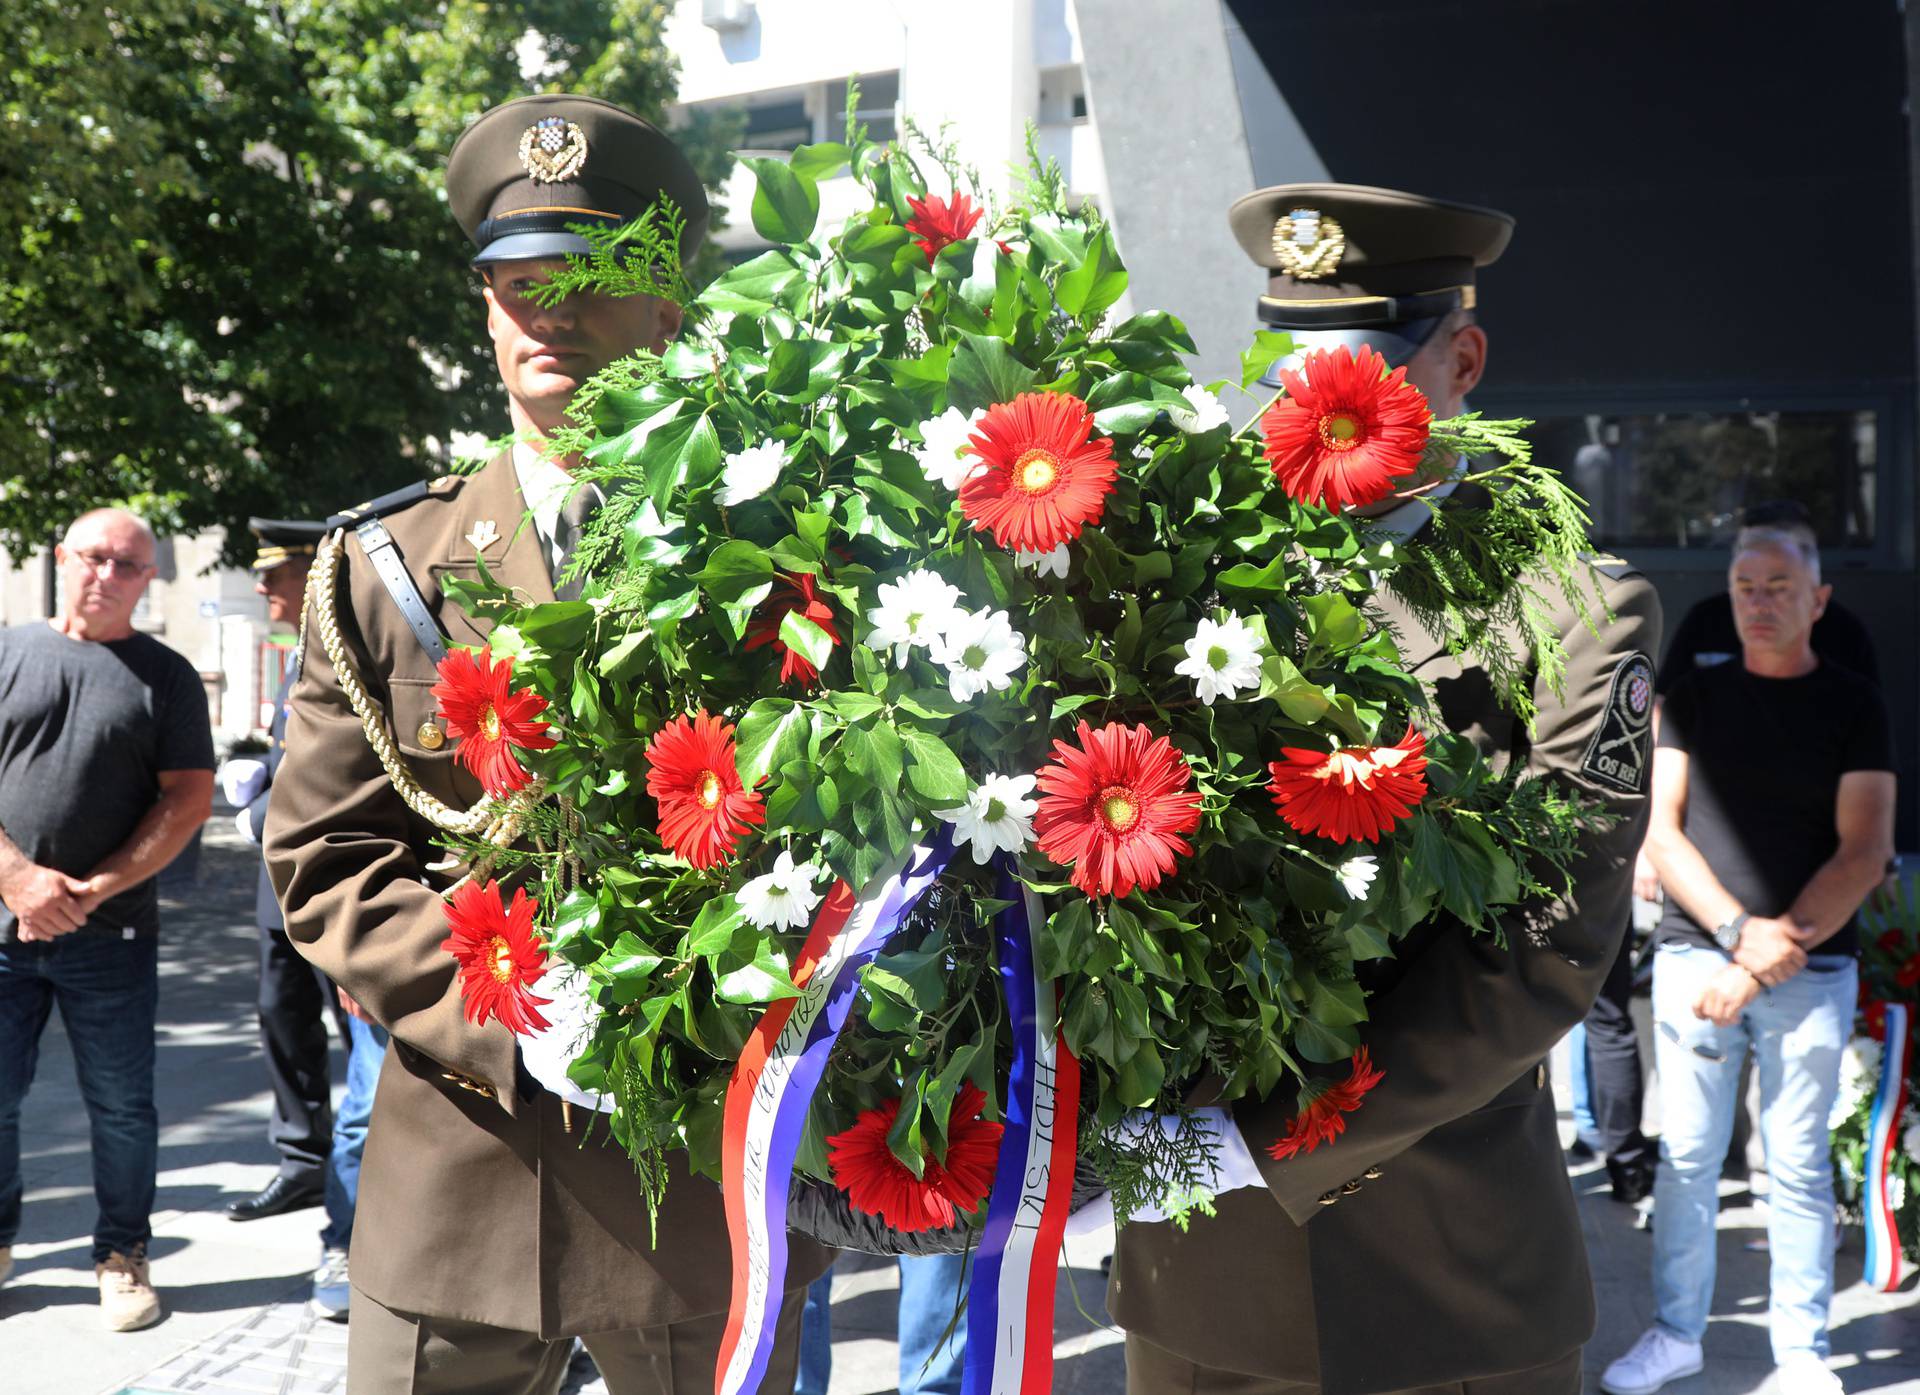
915	610
1222	658
1859	1074
997	817
1204	413
751	472
1052	563
1356	874
979	650
782	899
944	438
1896	1189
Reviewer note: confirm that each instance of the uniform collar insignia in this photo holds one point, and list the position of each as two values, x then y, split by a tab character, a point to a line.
553	149
1308	244
483	535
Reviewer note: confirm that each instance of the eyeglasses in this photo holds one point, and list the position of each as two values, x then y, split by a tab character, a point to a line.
113	566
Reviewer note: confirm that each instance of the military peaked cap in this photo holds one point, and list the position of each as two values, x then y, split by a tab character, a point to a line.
1346	256
524	174
283	539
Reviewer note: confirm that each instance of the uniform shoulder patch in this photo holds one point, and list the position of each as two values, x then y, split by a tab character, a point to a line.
441	486
1621	747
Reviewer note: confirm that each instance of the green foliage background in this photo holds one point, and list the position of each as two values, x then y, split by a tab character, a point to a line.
227	244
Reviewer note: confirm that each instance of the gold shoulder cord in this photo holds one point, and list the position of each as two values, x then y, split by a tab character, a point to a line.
496	821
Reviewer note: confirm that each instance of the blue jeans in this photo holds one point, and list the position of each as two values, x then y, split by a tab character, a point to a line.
108	991
367	1048
929	1296
1796	1032
1584	1125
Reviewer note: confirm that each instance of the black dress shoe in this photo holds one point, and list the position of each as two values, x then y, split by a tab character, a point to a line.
281	1194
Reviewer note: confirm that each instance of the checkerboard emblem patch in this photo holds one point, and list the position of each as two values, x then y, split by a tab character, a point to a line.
1621	747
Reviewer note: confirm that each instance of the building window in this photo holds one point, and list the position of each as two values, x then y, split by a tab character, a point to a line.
1678	479
777	125
879	103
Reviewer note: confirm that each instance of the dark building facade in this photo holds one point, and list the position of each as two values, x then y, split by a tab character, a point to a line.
1709	299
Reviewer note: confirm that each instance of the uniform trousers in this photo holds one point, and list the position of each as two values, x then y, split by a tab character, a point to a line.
295	999
1153	1370
397	1353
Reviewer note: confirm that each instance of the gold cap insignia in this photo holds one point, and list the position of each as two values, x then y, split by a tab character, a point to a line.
553	149
1308	244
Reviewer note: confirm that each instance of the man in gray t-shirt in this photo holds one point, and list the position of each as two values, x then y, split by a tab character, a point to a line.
106	770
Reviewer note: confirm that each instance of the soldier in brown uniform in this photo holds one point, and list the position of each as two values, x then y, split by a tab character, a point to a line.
489	1231
1435	1244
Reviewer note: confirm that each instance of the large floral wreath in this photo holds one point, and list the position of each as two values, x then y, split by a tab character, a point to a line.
910	541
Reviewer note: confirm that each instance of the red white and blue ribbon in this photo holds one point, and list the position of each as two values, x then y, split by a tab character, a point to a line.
1010	1301
1883	1270
773	1087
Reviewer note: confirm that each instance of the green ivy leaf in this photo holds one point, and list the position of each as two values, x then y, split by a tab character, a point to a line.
936	773
773	732
786	202
738	575
754	287
1268	348
806	639
984	371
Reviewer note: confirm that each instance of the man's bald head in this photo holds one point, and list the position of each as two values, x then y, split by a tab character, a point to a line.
111	527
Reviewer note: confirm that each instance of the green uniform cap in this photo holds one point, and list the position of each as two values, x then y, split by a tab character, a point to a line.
282	540
1346	256
525	173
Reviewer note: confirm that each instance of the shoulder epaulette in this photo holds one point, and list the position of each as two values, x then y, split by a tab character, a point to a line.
1612	567
393	502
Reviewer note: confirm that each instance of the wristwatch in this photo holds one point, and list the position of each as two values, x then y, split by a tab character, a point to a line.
1728	935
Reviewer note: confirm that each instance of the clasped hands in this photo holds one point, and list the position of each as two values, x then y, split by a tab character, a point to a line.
49	904
1772	949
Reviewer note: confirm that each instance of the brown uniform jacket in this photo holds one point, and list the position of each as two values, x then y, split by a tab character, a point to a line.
475	1202
1463	1257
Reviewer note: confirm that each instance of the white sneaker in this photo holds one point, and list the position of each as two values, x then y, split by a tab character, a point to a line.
1803	1373
1655	1359
127	1299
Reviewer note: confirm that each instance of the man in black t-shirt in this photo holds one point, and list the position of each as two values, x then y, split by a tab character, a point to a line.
1772	820
106	770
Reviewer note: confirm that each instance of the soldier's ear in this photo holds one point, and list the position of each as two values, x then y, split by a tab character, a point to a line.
667	318
1468	358
1822	594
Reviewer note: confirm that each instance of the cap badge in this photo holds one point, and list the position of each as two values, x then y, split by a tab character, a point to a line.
1308	244
553	149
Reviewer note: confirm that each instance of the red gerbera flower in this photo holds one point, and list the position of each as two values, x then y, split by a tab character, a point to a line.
1046	474
937	224
800	592
1877	1020
1324	1107
693	775
1357	793
488	717
1890	941
1114	808
878	1183
499	956
1908	973
1346	430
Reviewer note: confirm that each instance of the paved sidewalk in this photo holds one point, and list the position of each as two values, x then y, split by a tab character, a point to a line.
235	1294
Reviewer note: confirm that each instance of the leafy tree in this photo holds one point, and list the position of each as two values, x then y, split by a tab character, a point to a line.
229	283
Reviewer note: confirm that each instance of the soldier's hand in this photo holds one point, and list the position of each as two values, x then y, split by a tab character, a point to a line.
351	1008
43	901
1770	950
1646	881
1726	996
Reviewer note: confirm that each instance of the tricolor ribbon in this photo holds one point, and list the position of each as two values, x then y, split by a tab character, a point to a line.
1883	1270
1010	1301
772	1089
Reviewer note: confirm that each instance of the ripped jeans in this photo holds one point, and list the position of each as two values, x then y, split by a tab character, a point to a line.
1796	1032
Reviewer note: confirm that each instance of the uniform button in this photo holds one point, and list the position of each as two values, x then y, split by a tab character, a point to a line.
1349	1188
430	736
1373	1174
1328	1198
1540	1076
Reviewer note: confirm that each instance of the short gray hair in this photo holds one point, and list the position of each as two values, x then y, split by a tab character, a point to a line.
1796	538
125	515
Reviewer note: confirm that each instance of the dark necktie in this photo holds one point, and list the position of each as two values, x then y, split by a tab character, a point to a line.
575	510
